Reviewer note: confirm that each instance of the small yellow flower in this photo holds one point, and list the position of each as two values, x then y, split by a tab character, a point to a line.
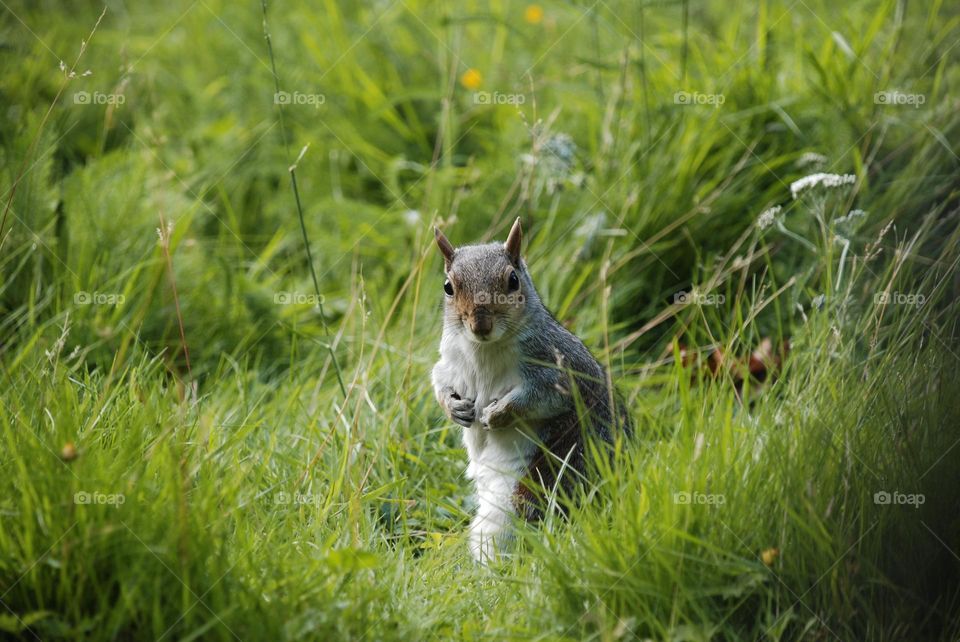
770	556
533	14
471	79
68	452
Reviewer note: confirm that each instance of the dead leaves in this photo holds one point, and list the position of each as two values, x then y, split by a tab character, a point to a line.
761	366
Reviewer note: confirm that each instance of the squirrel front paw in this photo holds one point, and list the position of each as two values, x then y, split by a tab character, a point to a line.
496	415
460	409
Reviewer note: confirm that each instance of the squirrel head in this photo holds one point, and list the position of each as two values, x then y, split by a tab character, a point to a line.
487	290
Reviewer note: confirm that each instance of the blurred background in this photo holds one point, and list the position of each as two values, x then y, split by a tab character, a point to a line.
644	137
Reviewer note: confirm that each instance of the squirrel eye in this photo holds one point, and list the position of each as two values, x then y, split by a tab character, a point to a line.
448	287
513	282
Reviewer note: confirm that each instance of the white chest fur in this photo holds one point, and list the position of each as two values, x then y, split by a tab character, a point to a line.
497	459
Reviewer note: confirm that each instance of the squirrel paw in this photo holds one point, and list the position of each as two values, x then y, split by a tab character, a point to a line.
461	410
495	416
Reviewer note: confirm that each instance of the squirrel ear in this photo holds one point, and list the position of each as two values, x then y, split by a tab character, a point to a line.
446	248
512	244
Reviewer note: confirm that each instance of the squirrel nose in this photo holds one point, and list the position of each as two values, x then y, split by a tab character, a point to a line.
482	322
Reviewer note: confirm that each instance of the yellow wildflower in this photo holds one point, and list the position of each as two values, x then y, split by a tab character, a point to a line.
533	14
471	79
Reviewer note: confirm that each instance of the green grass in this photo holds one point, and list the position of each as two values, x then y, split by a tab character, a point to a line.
249	496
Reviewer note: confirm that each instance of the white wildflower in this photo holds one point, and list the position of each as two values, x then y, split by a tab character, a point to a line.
850	223
554	156
811	158
855	216
411	218
768	217
820	179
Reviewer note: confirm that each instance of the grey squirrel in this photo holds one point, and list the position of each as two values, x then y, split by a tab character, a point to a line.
525	389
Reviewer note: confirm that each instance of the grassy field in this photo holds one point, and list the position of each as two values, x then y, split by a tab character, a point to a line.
215	411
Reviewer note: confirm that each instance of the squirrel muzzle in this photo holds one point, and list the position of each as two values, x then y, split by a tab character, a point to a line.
481	322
